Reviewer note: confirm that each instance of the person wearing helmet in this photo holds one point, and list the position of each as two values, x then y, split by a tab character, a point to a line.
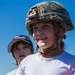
20	47
47	23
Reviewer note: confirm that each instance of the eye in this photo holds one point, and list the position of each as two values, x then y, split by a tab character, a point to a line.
17	49
46	26
24	47
35	28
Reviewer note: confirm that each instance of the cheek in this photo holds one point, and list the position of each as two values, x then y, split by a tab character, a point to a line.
27	52
51	35
15	55
34	36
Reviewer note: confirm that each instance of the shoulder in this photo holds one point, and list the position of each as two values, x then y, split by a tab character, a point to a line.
12	72
69	56
29	58
66	58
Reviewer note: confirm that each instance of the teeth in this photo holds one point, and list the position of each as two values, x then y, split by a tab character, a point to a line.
38	39
43	39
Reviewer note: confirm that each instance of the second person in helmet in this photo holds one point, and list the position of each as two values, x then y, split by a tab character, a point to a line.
47	23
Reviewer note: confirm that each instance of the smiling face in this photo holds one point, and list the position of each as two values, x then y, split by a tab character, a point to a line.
44	34
21	50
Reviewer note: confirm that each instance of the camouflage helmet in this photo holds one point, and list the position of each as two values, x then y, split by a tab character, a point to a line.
45	11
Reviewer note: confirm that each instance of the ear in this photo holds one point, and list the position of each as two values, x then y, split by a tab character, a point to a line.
62	31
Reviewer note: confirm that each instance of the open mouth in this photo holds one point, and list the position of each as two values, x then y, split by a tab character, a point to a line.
42	39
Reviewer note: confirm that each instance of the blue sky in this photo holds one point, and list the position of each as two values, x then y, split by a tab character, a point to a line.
12	19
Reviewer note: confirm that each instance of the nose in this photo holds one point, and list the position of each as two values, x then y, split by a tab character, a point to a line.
21	51
39	32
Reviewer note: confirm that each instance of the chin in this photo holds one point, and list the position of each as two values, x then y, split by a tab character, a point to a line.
45	47
21	59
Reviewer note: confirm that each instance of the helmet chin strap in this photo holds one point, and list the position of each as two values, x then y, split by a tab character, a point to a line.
51	49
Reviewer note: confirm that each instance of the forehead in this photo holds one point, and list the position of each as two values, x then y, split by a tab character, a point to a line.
21	43
43	23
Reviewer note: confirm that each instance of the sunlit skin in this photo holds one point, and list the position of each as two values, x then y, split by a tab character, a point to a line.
21	52
44	34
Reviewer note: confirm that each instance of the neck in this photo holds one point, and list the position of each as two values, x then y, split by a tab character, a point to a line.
55	50
51	51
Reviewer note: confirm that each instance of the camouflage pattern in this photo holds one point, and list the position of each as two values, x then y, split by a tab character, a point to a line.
45	11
